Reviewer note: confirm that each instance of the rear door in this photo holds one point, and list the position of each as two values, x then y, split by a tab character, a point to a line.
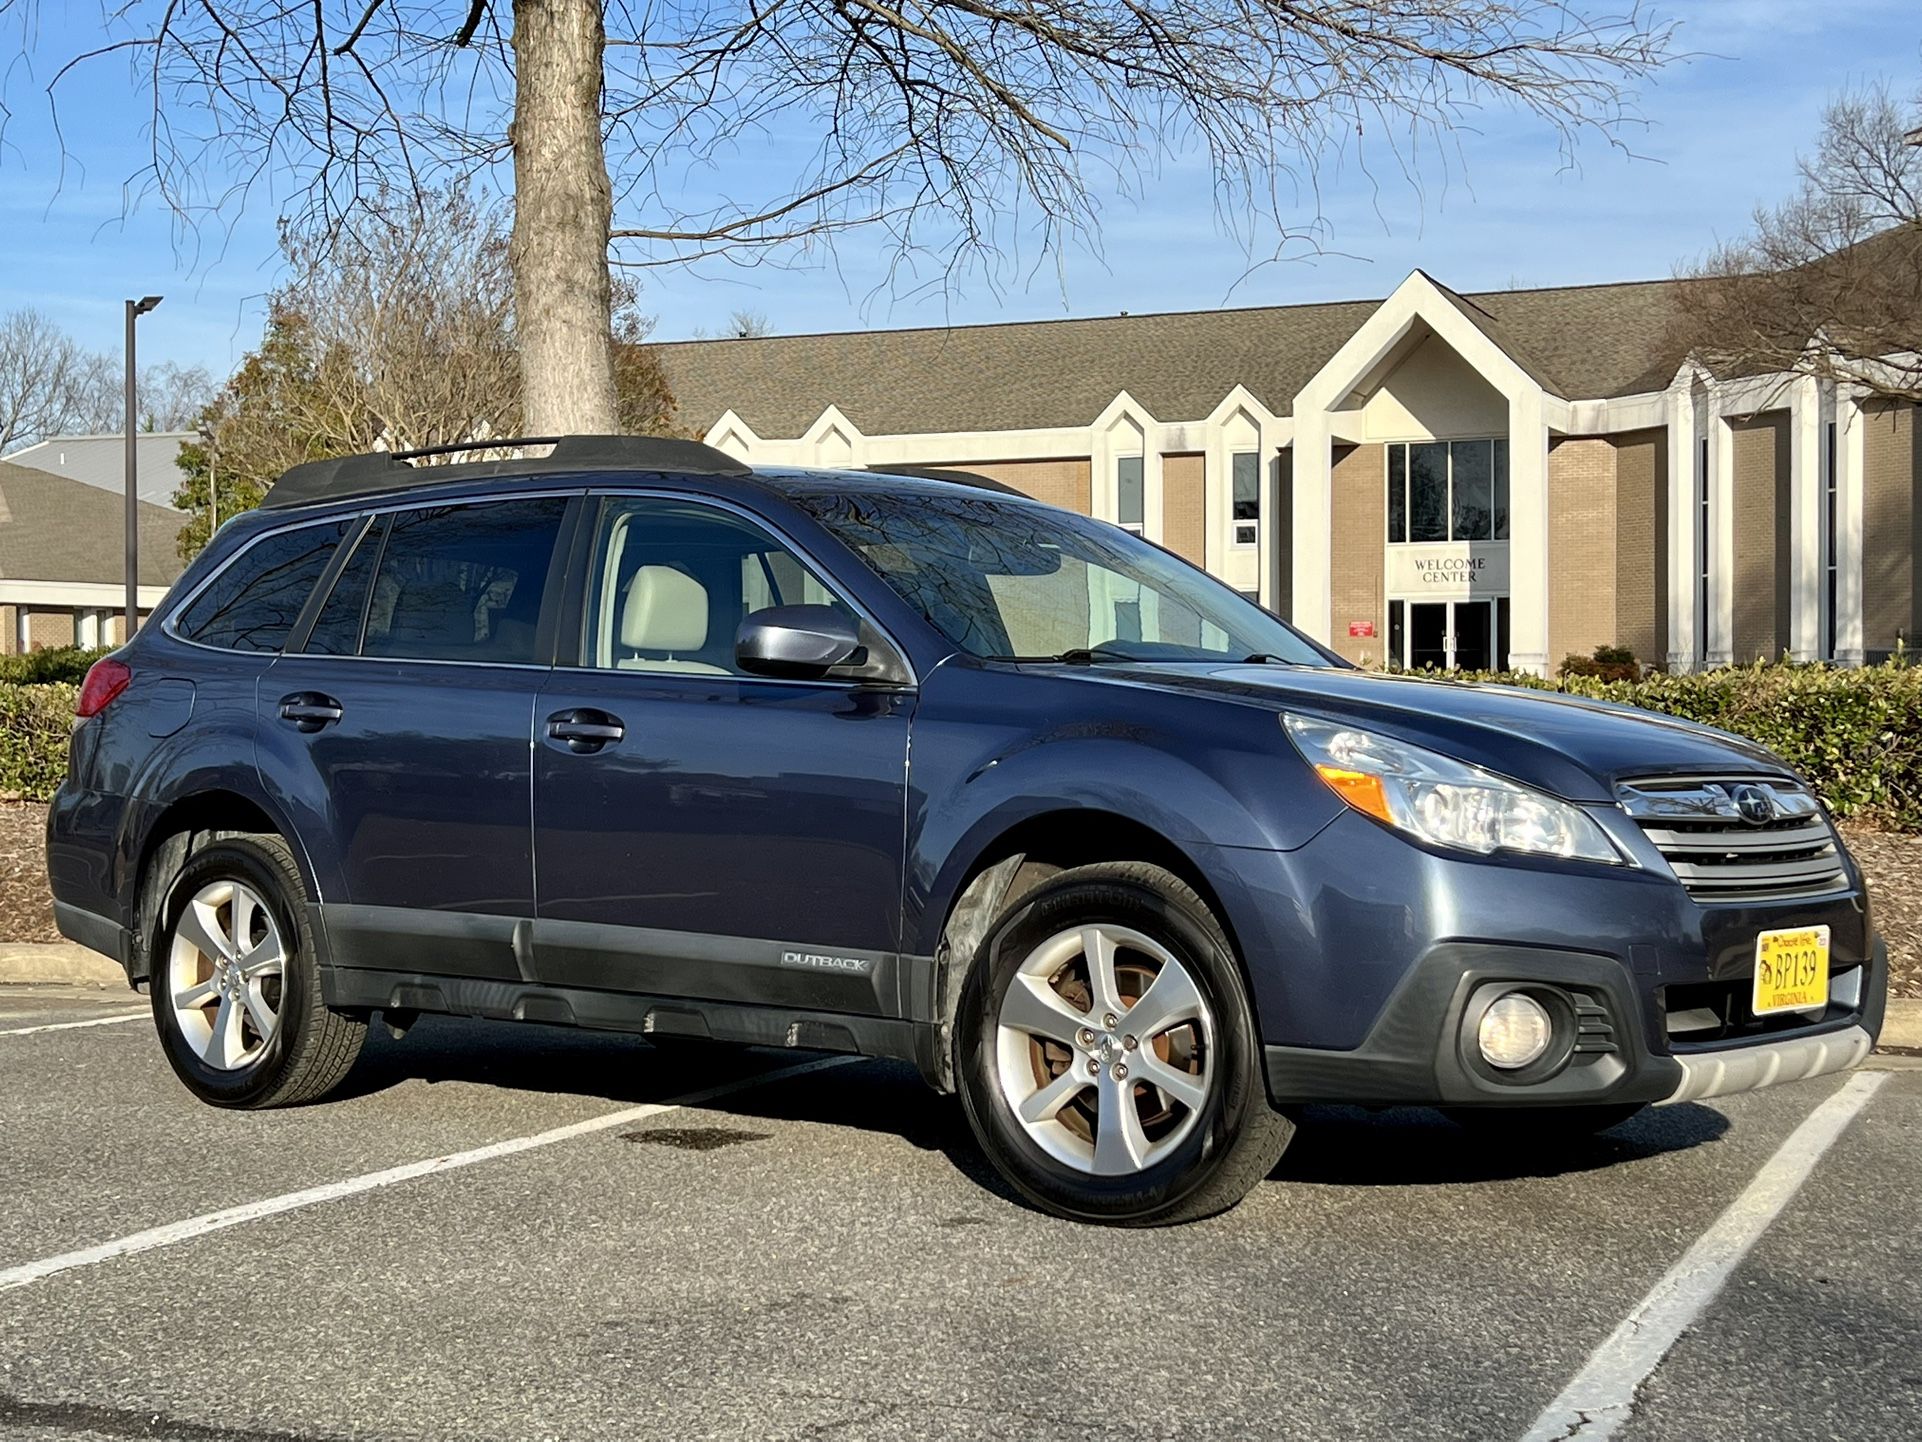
401	732
699	831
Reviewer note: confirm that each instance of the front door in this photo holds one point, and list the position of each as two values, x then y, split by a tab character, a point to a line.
1447	635
698	831
404	726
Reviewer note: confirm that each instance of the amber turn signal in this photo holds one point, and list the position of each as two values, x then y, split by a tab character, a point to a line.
1360	789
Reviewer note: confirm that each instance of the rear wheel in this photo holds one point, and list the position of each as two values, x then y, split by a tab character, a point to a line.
1107	1055
236	991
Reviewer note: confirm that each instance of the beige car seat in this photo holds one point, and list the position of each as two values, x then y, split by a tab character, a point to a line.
665	614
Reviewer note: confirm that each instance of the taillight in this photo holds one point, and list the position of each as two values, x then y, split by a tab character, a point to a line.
106	679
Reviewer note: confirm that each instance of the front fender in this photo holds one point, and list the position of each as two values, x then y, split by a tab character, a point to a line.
1147	778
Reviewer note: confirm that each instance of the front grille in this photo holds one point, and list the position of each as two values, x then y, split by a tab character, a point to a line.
1738	838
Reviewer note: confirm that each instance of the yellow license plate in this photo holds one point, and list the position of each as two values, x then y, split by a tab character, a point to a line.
1792	970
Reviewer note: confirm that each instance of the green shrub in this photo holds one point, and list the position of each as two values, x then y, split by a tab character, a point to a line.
35	722
56	663
1609	663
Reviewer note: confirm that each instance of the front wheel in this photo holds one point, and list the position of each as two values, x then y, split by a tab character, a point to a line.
236	990
1107	1054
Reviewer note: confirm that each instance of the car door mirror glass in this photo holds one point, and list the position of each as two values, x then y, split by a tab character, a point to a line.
797	641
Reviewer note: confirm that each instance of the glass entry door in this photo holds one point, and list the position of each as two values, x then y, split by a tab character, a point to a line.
1446	635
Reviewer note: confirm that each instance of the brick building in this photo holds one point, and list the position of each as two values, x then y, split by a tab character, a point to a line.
1434	477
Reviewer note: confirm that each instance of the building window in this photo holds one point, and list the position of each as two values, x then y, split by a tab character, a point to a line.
1246	470
1831	551
1701	547
1448	491
1130	493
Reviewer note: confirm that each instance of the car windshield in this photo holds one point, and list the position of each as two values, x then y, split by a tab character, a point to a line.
1008	580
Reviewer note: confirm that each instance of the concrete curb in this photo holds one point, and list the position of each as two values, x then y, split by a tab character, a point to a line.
63	963
66	963
1903	1027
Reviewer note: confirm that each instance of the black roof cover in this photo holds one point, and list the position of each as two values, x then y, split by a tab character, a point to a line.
350	476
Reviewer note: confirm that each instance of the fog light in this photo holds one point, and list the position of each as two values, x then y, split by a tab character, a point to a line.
1514	1031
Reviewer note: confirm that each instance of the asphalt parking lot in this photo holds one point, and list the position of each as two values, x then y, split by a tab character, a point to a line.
824	1255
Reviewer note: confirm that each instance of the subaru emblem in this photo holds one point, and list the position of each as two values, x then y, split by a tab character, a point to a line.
1754	804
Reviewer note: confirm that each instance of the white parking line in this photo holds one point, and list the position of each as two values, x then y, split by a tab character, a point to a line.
192	1227
70	1025
1599	1398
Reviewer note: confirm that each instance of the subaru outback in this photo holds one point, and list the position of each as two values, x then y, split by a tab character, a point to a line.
634	736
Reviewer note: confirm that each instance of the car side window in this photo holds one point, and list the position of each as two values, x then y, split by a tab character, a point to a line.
337	628
254	601
461	583
671	582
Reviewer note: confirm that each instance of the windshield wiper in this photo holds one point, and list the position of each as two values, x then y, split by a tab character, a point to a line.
1074	656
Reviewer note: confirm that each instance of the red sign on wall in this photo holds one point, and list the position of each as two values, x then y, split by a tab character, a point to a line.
1361	628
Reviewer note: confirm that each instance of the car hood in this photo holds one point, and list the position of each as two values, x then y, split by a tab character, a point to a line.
1569	746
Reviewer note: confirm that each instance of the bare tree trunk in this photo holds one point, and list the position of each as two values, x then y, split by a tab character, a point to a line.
563	208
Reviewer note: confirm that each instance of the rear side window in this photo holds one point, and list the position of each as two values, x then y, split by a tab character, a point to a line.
253	603
462	583
337	628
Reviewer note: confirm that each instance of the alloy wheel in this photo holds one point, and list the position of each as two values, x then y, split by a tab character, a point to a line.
226	970
1104	1047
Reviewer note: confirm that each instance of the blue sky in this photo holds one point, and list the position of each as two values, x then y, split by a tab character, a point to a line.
1722	133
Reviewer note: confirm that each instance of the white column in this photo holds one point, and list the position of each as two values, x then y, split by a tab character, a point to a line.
1683	516
1721	549
1828	457
1849	447
1215	502
22	630
1528	558
1806	557
87	628
1314	529
1154	504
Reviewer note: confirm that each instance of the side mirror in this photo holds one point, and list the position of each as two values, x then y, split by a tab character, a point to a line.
795	641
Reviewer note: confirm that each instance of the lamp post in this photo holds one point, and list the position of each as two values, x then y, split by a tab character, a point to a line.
135	309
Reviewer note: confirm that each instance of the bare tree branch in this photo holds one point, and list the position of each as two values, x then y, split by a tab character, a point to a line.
1829	282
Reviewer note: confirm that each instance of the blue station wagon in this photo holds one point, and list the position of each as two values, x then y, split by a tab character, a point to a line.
634	736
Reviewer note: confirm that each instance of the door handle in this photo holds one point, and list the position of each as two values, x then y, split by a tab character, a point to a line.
585	730
310	710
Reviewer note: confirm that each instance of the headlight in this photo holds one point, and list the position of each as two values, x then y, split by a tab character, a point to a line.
1444	801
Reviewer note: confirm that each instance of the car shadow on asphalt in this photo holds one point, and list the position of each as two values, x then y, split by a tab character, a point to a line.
519	1056
1333	1146
1413	1146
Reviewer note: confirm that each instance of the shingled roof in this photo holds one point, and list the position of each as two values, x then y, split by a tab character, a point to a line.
55	528
1579	342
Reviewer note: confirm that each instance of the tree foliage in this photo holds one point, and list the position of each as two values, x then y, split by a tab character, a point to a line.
1828	283
395	332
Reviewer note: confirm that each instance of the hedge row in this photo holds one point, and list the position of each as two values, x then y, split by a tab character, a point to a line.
54	663
35	722
1855	734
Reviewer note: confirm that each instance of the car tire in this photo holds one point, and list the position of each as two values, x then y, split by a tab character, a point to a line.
1543	1124
1197	1132
243	1022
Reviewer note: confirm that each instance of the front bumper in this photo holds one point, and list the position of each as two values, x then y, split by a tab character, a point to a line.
1421	1050
1746	1069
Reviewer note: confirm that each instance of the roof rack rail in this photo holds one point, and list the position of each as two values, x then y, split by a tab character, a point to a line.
344	477
948	473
